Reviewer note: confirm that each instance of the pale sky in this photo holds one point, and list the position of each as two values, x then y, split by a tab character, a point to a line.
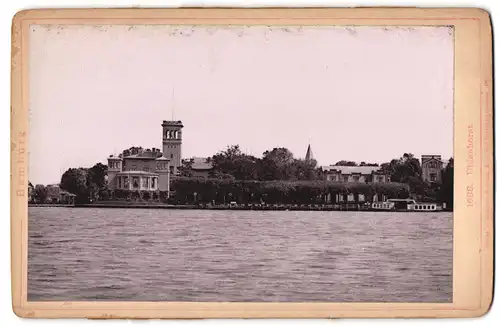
356	93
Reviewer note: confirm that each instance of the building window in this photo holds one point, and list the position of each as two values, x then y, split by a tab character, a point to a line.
171	169
380	179
433	177
119	182
134	167
346	178
356	178
135	182
146	169
144	182
171	155
361	197
153	183
125	183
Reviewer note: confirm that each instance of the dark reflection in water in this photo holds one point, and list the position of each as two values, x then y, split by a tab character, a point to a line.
194	255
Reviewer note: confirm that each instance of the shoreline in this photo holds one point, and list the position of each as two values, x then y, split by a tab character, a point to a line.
340	208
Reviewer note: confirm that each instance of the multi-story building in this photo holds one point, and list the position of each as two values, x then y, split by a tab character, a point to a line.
431	168
199	167
364	174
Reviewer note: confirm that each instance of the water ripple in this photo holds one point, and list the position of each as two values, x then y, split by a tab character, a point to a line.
188	255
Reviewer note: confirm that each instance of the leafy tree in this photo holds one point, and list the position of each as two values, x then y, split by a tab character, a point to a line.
305	170
40	194
96	179
185	170
446	190
402	169
234	162
277	164
75	181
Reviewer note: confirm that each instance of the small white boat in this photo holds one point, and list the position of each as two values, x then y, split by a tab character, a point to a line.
408	205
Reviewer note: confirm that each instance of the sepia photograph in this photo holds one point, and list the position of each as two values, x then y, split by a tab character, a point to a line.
240	163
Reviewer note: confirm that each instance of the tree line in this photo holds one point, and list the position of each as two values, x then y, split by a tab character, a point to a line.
88	184
280	164
223	191
277	169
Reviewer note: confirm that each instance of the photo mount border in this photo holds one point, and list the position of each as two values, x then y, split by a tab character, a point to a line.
473	110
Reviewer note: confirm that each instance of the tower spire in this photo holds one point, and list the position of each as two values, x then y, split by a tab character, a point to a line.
309	154
173	103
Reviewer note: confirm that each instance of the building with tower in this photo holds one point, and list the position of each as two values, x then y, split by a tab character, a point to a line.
148	169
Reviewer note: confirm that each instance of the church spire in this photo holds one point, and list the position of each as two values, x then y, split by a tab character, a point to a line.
309	154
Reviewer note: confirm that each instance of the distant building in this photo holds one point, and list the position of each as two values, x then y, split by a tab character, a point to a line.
200	167
431	168
55	195
371	174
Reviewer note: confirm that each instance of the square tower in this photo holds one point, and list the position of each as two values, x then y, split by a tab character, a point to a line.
115	165
172	143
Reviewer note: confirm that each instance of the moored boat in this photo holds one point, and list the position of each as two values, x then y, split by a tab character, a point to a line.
383	206
411	205
405	205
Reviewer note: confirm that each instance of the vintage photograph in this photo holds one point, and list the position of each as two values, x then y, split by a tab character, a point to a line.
240	163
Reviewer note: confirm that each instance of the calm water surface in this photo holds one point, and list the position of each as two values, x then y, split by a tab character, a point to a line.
201	255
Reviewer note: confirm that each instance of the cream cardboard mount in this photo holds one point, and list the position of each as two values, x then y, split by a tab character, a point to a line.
473	231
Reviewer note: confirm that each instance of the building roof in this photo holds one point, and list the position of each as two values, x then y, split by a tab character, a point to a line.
140	157
162	158
431	157
177	123
201	163
351	169
128	173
